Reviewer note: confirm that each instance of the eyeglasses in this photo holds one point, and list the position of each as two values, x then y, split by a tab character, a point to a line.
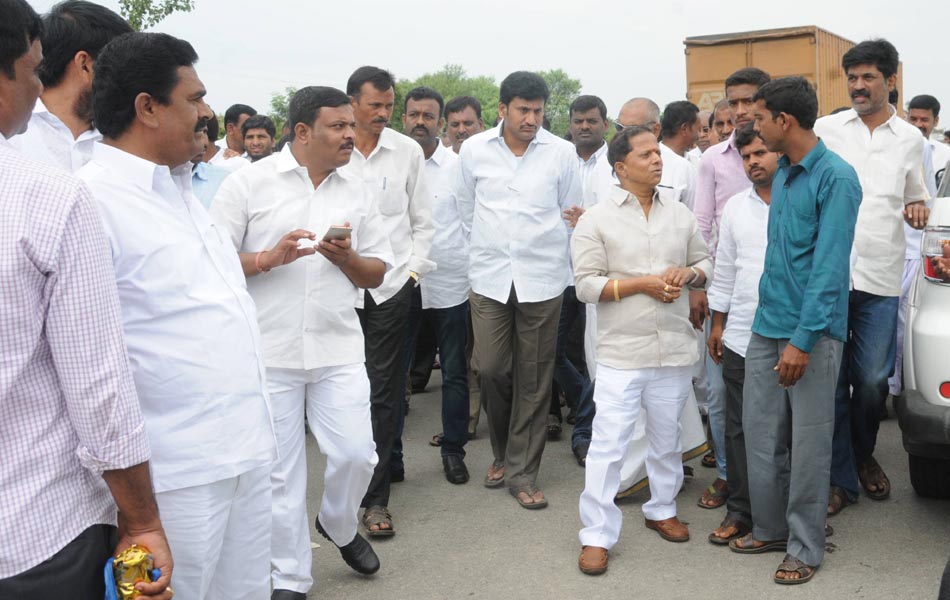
620	126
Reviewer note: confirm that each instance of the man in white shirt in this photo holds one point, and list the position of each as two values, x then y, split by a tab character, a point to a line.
887	154
230	154
190	325
588	129
515	181
923	112
393	168
61	132
733	298
463	119
442	297
679	128
276	214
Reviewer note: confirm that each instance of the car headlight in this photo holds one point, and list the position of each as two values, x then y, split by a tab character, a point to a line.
936	244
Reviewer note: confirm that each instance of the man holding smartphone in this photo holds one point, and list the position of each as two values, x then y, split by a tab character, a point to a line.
279	214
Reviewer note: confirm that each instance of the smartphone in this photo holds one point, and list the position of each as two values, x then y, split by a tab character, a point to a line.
338	232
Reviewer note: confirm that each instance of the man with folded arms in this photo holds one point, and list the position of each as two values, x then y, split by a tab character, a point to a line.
190	325
72	436
276	213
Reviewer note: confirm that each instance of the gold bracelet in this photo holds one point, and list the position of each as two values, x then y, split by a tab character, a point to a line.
616	290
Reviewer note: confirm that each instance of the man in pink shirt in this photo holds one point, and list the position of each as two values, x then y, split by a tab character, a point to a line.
721	176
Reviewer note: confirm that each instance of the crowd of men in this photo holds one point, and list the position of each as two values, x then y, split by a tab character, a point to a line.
175	306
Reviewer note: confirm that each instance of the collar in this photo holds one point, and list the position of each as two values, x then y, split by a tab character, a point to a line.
852	115
542	137
200	170
286	161
40	109
729	144
807	163
139	171
620	195
440	155
596	156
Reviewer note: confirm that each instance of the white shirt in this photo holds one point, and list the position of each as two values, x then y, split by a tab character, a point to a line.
305	308
513	209
889	164
743	237
231	164
915	237
448	285
189	323
694	156
394	172
941	156
48	140
679	174
597	177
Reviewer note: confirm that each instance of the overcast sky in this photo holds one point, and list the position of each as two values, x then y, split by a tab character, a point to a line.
617	48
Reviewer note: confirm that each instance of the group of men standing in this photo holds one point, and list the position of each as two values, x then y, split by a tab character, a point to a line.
168	325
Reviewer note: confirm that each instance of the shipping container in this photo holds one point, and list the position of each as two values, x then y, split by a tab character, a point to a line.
810	51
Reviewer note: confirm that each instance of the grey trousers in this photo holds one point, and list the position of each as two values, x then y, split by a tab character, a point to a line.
788	435
515	344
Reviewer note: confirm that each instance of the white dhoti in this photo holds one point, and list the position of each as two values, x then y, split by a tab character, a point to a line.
219	535
623	398
337	404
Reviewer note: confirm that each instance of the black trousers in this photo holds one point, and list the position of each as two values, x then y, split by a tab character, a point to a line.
738	505
74	572
385	328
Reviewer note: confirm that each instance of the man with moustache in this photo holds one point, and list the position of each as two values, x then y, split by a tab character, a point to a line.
72	437
190	325
887	153
733	298
276	215
704	141
61	131
721	176
205	178
393	167
720	122
463	119
515	182
923	112
800	326
442	296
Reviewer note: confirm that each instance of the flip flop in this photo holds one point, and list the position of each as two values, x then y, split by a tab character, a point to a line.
496	468
718	492
742	530
530	491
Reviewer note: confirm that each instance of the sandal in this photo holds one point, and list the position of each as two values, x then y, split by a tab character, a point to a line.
378	516
870	473
838	500
709	460
531	491
496	475
741	528
714	496
747	545
790	564
437	440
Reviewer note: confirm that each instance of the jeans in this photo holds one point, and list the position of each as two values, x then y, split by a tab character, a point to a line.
867	362
584	418
567	376
451	332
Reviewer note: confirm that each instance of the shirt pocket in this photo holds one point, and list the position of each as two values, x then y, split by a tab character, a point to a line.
886	177
393	199
800	220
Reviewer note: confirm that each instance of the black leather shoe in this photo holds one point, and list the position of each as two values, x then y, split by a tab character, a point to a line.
287	595
358	554
455	469
580	453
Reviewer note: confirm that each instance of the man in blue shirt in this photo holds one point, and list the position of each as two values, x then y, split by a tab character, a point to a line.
797	336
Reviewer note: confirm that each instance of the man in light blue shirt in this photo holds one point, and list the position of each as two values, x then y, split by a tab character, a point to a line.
205	177
515	181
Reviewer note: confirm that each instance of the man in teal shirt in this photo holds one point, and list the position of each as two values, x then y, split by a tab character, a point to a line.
799	329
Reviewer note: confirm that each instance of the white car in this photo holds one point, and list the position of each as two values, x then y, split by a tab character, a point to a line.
923	410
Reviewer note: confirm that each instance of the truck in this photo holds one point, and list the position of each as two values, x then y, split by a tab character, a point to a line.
808	51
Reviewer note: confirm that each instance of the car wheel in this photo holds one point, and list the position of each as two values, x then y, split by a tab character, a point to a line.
930	476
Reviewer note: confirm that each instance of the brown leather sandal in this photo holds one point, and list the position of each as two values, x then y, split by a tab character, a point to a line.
378	516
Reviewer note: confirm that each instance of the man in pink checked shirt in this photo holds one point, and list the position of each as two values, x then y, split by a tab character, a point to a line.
721	176
71	435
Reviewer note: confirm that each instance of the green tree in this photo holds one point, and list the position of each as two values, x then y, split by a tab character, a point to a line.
564	89
279	105
142	14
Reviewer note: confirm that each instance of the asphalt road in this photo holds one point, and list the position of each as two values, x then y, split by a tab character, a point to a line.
468	541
